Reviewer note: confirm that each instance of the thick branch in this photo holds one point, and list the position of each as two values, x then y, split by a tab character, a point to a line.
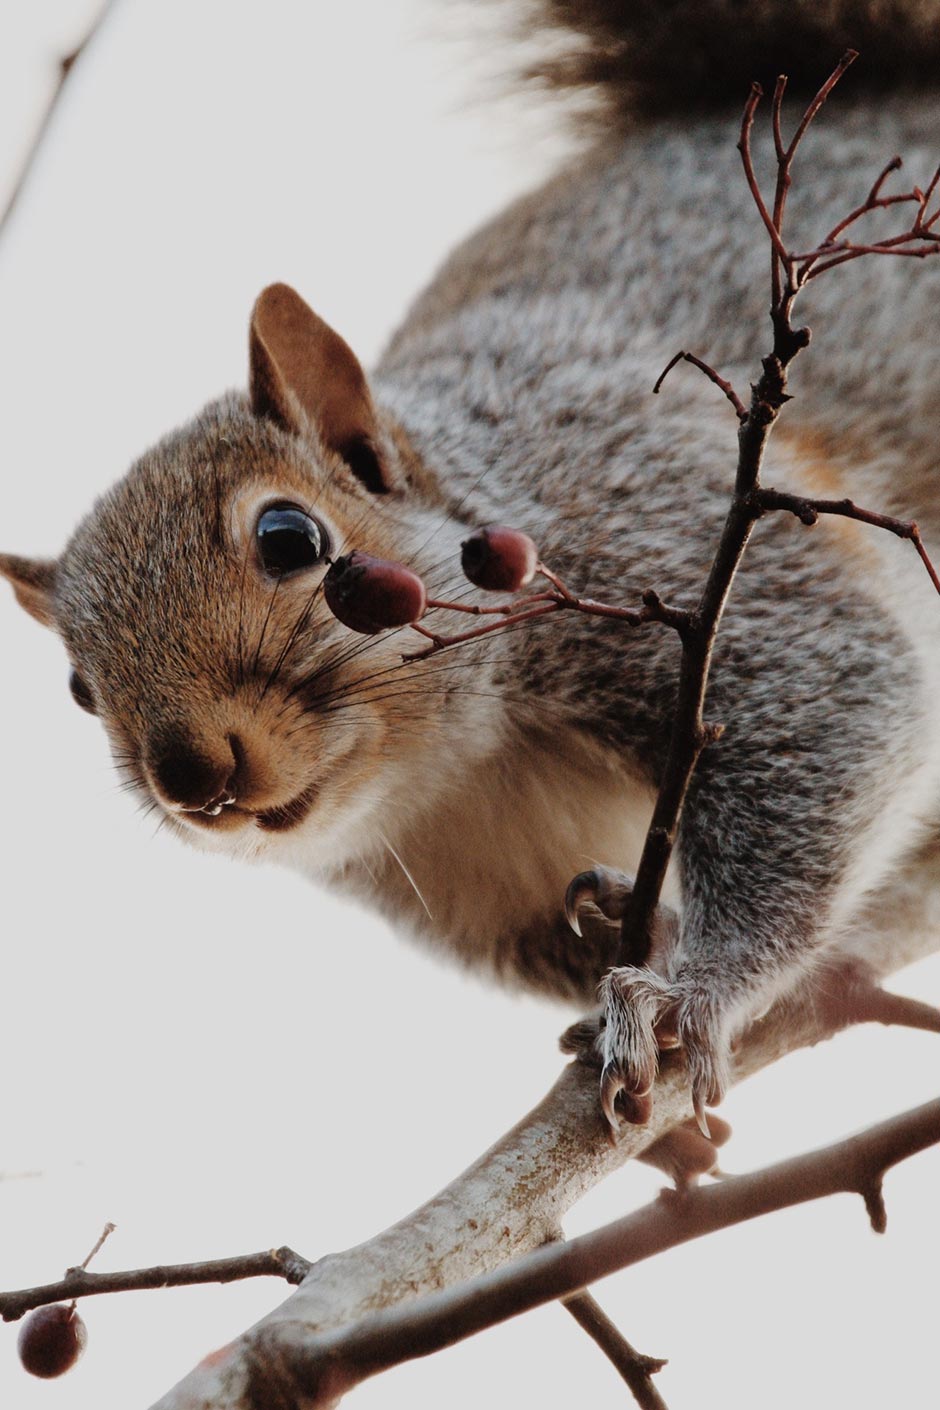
334	1363
513	1198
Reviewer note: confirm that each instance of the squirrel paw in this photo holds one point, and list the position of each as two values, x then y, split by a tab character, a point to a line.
603	887
610	891
646	1015
684	1153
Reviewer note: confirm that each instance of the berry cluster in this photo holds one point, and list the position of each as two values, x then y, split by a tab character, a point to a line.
370	594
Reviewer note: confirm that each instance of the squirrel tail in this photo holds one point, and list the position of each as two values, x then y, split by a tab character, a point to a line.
657	56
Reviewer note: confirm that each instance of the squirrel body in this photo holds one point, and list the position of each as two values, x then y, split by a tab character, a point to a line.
461	793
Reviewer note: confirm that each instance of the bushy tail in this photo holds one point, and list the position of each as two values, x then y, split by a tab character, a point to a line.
655	56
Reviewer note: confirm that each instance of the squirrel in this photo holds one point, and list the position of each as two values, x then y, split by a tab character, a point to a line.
460	794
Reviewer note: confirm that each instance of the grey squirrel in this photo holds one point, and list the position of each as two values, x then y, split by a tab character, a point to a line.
461	794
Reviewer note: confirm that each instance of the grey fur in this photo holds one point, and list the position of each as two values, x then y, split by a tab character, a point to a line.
518	390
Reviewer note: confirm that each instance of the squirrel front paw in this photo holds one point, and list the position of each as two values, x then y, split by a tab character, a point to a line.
683	1153
645	1015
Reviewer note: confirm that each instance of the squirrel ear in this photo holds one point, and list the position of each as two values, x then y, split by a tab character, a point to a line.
33	581
302	373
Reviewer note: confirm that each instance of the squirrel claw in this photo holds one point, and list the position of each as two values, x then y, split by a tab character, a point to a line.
701	1120
612	1085
604	887
618	1101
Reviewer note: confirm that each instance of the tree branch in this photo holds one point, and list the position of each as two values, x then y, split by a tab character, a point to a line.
635	1368
66	65
513	1198
274	1263
335	1362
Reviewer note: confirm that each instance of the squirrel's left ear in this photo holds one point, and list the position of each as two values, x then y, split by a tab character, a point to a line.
304	374
33	581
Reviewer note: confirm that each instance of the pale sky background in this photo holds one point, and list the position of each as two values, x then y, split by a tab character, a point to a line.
175	1041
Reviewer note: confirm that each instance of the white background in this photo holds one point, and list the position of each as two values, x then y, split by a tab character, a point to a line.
176	1040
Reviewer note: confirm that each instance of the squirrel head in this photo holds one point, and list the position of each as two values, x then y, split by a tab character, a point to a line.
190	603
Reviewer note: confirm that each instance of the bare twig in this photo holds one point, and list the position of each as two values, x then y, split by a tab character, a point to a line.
635	1368
710	373
66	65
558	598
689	735
103	1237
273	1263
808	511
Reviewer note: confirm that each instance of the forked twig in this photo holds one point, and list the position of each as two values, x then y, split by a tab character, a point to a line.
688	735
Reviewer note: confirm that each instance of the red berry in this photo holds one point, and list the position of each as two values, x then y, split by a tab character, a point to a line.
51	1340
369	594
498	559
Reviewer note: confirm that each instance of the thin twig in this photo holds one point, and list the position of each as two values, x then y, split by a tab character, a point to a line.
635	1368
66	65
558	599
688	735
808	510
710	373
274	1263
744	147
103	1237
847	59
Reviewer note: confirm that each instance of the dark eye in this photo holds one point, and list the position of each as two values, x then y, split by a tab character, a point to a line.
290	540
81	694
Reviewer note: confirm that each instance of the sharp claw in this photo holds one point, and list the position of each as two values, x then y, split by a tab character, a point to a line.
636	1106
606	888
583	887
612	1084
701	1120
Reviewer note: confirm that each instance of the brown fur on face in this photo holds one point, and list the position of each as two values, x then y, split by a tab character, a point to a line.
262	661
235	698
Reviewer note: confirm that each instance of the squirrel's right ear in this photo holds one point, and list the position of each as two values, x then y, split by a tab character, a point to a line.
304	375
33	581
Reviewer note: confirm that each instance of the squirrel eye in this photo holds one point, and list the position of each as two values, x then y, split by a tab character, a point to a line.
289	540
81	694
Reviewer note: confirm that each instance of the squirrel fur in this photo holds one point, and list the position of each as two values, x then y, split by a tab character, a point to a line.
460	794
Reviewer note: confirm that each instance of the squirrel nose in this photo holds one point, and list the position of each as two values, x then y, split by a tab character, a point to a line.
195	779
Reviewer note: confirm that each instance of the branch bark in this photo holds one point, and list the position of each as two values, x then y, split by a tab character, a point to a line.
336	1362
512	1200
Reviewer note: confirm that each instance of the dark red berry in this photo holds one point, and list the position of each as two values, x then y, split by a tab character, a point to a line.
369	594
498	559
51	1340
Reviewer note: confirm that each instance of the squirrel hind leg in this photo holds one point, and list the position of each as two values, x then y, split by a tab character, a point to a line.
684	1154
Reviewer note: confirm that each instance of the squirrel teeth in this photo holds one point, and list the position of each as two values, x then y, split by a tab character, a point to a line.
213	809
